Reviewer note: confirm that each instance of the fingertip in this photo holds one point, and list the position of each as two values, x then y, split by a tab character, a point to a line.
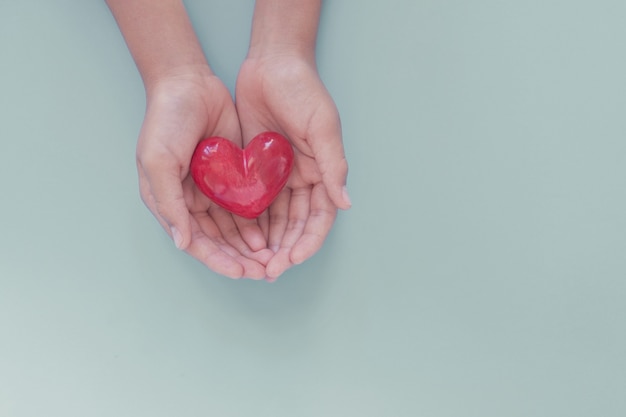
334	177
334	180
180	230
298	258
224	265
347	203
251	233
255	241
177	237
305	249
252	269
339	196
232	272
278	264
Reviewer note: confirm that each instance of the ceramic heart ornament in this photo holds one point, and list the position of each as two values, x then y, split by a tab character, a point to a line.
244	182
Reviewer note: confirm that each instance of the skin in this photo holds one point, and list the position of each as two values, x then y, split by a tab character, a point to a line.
187	102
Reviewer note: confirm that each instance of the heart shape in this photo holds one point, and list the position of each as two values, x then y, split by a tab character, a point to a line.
244	182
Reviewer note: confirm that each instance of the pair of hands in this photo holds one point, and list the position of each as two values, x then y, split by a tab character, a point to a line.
275	93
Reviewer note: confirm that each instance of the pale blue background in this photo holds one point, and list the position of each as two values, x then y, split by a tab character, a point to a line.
481	271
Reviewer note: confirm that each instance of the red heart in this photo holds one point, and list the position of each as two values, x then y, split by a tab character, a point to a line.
244	182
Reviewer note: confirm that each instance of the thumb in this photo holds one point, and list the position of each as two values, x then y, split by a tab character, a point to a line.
327	147
162	191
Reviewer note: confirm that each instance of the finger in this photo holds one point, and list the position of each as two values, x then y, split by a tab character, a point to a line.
212	227
173	215
202	247
279	263
299	206
251	232
277	219
264	224
254	237
321	219
160	177
227	230
327	146
252	268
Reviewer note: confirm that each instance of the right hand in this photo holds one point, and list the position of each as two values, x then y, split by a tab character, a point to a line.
184	107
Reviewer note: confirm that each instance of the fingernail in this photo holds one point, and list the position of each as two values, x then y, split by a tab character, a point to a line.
346	197
178	238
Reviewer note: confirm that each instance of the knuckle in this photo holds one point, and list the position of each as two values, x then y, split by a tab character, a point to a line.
163	210
277	218
152	159
295	224
342	167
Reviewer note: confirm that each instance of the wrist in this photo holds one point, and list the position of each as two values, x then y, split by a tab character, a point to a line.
160	38
183	73
285	28
268	48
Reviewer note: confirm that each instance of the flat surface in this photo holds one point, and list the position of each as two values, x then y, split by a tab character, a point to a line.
481	271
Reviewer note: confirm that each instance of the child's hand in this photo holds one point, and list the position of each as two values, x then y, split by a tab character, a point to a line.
278	89
182	108
284	93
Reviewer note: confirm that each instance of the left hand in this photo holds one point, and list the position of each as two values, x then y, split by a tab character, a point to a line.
284	93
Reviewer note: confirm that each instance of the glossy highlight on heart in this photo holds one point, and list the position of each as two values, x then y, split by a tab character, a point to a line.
244	182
